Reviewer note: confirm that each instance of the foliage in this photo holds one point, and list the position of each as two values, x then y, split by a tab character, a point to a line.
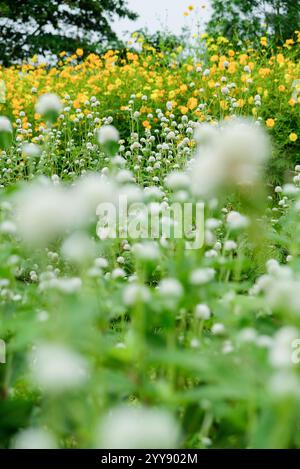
249	19
37	27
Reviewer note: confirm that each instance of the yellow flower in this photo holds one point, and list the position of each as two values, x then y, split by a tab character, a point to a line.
79	52
190	7
192	103
270	123
289	42
264	41
147	125
281	88
280	58
183	109
293	137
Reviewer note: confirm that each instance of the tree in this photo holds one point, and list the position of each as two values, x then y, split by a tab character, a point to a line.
29	27
247	19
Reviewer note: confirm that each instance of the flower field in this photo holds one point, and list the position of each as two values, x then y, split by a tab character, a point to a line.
121	332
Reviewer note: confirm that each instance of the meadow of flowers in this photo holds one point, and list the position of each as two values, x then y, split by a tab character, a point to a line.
139	341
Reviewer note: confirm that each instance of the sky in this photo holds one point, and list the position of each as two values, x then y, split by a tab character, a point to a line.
162	14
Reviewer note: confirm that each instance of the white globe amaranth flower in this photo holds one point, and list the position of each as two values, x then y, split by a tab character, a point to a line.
49	106
230	245
33	438
135	293
6	132
218	329
284	383
31	150
153	192
8	227
280	354
107	134
67	285
44	211
146	251
205	134
118	272
202	276
236	221
93	189
170	288
5	125
231	154
279	287
78	248
56	368
177	180
202	311
138	428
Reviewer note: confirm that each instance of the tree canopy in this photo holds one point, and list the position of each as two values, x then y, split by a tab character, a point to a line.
29	27
248	19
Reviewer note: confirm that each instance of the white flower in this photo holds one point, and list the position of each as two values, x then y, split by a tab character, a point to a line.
202	276
138	428
284	383
153	192
8	227
230	245
273	266
107	133
118	272
101	262
212	223
247	335
130	193
48	103
264	341
232	153
33	438
202	311
281	293
227	347
64	285
146	251
135	293
280	355
218	329
56	368
124	176
92	190
170	288
78	248
177	180
31	150
5	125
205	134
236	221
195	343
44	212
290	189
